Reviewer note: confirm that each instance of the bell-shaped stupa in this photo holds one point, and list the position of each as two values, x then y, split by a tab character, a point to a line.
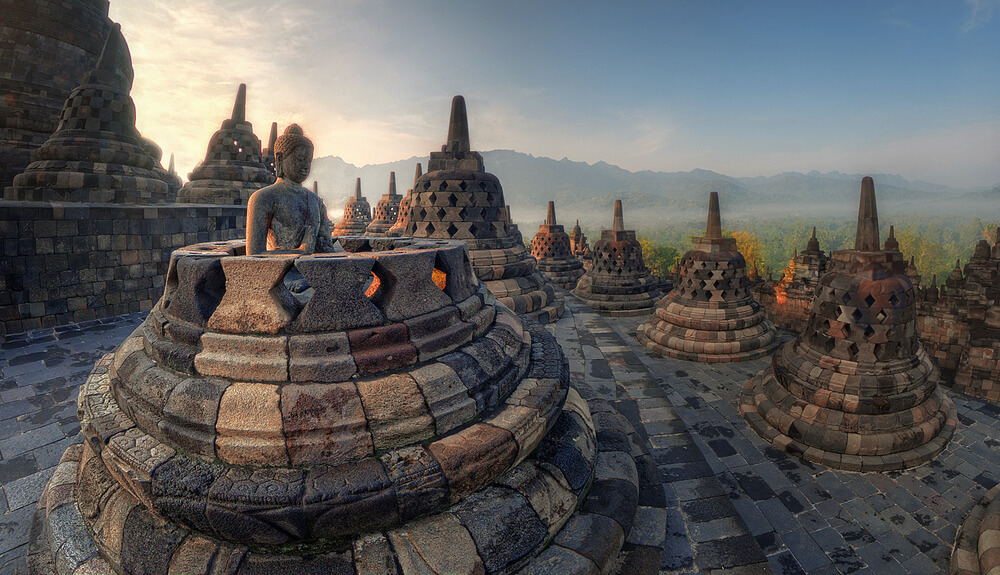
618	284
357	215
393	418
710	316
855	389
96	155
458	199
233	168
386	210
399	228
550	247
46	49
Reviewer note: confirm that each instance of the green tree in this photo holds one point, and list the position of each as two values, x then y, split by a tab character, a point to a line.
659	258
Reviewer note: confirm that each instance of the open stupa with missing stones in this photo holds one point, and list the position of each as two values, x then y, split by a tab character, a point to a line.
580	248
96	155
855	390
233	168
397	419
386	211
550	247
403	217
357	215
618	283
458	199
710	316
788	300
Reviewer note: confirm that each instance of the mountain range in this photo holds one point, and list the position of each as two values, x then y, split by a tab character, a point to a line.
587	191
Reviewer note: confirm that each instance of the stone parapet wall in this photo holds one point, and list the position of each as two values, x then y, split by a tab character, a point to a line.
66	263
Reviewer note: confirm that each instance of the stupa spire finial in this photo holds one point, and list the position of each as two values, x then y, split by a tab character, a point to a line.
550	218
416	175
240	107
171	168
273	137
714	228
458	127
357	189
392	183
867	235
618	224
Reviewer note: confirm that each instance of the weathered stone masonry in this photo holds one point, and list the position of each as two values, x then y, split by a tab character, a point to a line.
66	263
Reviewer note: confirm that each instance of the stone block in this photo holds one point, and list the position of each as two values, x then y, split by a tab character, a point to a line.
249	426
350	498
339	301
189	415
396	410
243	357
446	396
474	456
503	525
438	544
381	348
407	288
374	556
256	300
320	358
324	423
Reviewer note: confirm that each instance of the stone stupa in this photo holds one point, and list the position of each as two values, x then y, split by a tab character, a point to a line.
96	155
458	199
47	49
788	300
550	247
710	316
386	211
618	284
399	228
357	215
399	421
233	168
855	389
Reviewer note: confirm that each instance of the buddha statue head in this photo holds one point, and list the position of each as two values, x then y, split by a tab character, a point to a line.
293	153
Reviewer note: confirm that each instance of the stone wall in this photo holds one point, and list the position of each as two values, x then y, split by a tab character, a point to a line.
66	263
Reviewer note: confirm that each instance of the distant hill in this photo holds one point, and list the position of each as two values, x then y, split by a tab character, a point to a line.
587	191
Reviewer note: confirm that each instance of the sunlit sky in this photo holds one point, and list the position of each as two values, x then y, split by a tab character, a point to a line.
742	88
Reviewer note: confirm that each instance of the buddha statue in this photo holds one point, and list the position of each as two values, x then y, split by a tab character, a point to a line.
285	216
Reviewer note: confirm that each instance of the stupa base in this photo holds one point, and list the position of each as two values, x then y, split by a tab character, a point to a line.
753	394
569	507
688	350
620	305
977	549
550	313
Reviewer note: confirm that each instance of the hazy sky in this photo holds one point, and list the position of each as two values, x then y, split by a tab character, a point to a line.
742	88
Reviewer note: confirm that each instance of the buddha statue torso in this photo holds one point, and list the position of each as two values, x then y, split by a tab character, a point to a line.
285	216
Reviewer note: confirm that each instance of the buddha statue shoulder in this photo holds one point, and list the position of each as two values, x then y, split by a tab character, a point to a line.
285	216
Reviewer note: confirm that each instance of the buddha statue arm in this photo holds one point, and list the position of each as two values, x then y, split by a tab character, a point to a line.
324	236
258	223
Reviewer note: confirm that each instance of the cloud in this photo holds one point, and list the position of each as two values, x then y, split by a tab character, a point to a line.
981	12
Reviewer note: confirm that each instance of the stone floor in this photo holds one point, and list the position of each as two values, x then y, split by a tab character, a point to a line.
734	503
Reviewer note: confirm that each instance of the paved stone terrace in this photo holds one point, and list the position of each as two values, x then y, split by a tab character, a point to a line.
732	501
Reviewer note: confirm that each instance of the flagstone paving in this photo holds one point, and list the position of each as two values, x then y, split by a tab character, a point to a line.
732	501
